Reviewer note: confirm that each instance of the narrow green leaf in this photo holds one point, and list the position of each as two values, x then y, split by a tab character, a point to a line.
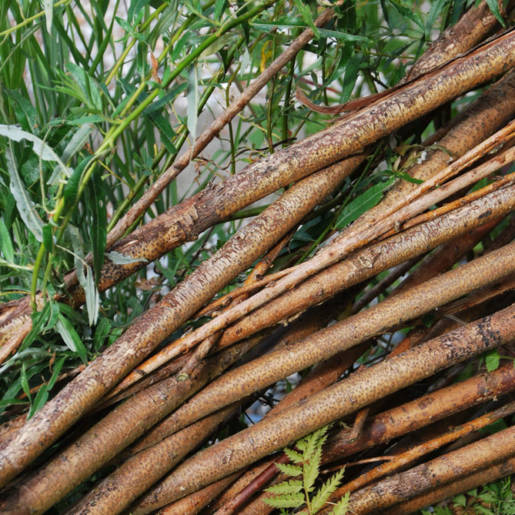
362	203
48	6
135	7
71	338
39	400
345	36
92	297
42	149
405	177
493	5
219	7
39	319
48	237
99	226
87	84
25	380
101	332
93	118
6	245
307	16
408	12
71	188
58	365
193	100
23	203
74	145
119	259
351	76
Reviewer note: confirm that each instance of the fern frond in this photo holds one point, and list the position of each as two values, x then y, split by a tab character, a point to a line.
325	491
289	470
342	506
314	441
286	487
286	500
311	469
295	457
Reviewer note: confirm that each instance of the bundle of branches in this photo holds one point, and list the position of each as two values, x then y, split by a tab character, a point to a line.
375	319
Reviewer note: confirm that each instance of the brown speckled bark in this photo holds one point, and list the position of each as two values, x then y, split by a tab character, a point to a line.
416	202
358	390
268	369
418	480
425	410
383	255
187	220
398	421
401	459
449	490
471	28
141	471
113	433
157	323
215	127
193	503
494	108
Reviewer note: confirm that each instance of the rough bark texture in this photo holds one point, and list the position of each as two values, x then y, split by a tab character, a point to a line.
158	322
472	27
351	394
386	426
141	471
402	459
449	490
418	480
411	416
364	264
113	433
494	108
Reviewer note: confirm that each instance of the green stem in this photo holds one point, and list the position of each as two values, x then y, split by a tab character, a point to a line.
181	139
35	272
29	20
114	133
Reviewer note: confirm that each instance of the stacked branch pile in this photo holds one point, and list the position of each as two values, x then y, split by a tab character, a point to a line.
139	417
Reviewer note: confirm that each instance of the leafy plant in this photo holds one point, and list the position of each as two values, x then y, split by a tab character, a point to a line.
492	499
305	465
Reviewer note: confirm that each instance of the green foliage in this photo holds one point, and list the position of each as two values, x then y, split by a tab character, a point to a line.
294	493
492	499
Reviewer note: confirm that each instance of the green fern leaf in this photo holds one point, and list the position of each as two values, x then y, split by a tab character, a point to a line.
295	457
342	506
314	441
325	491
286	501
289	470
301	444
286	487
311	469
